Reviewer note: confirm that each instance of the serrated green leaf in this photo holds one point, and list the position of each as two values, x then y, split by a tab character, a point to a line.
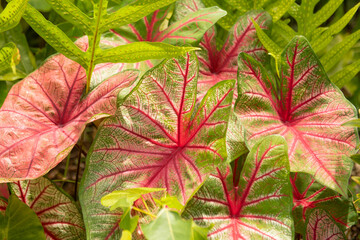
41	5
73	14
324	13
126	198
284	30
53	35
322	41
9	57
346	74
278	8
199	233
12	14
22	222
168	225
132	13
140	51
339	50
269	44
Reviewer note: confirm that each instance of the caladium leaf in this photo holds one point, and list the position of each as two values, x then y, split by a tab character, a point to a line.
186	30
246	206
157	139
309	194
321	226
50	115
59	216
305	108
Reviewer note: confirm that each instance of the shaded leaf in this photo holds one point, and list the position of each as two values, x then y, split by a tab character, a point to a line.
321	226
305	108
309	195
59	216
170	202
157	139
246	206
168	225
128	222
9	57
19	222
50	115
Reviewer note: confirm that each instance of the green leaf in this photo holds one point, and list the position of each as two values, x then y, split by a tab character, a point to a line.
128	223
346	74
126	198
132	13
22	222
9	57
199	233
168	226
170	202
72	14
140	51
339	50
41	5
126	235
278	8
12	14
356	158
53	35
322	41
353	123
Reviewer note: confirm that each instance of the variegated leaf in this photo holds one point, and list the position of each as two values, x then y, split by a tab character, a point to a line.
255	204
44	115
305	108
157	139
321	226
58	214
309	194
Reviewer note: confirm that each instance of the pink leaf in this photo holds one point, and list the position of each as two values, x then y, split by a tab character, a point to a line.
255	204
157	139
305	108
44	115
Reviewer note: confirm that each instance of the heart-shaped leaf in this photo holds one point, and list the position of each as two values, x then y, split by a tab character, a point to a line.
44	115
320	226
59	216
309	194
254	205
304	107
157	139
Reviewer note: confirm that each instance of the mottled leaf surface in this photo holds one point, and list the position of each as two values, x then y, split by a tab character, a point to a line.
255	205
321	226
305	108
59	216
157	139
44	115
309	194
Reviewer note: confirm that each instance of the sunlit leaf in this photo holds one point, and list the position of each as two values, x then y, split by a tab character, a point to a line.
12	14
254	205
51	114
157	139
305	108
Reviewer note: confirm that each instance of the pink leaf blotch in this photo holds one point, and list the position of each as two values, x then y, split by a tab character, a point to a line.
246	205
158	139
44	115
305	108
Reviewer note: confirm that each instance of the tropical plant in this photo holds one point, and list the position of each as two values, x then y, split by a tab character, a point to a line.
214	119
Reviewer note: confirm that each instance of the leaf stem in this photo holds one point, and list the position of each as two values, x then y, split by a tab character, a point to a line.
93	45
66	170
146	206
145	212
78	165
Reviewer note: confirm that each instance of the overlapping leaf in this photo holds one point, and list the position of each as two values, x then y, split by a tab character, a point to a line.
59	216
309	194
321	226
254	205
157	139
188	29
44	115
305	108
